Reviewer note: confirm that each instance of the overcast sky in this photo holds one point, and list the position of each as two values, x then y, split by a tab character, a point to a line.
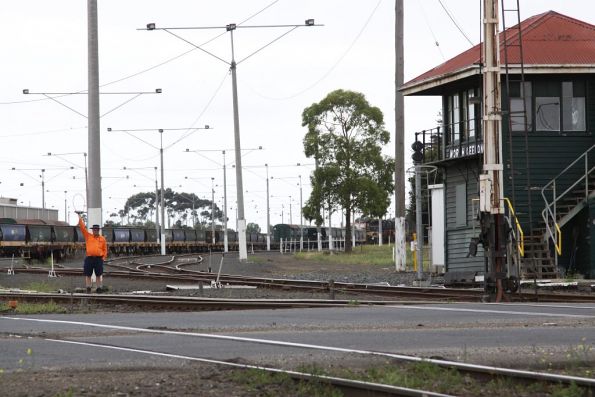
43	49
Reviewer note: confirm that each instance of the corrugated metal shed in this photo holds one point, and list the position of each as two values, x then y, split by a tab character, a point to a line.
24	212
550	40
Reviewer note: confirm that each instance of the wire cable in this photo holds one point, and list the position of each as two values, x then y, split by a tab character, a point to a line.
151	67
455	22
189	132
330	70
423	12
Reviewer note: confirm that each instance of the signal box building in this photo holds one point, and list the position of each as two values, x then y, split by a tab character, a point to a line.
548	146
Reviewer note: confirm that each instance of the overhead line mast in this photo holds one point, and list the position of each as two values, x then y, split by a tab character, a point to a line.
491	180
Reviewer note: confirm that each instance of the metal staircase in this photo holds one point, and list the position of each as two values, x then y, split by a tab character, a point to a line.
563	201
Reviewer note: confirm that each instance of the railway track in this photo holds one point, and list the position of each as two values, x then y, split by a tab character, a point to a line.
169	274
181	303
483	373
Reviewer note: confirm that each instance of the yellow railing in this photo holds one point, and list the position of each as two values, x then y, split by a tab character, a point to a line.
521	242
558	245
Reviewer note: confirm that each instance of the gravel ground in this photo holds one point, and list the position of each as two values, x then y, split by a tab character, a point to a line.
271	264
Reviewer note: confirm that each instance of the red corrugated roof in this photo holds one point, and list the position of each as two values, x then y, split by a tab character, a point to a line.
548	39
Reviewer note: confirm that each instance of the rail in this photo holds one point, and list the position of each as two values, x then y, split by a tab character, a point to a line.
549	213
520	241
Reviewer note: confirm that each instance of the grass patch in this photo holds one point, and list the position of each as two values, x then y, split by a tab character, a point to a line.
257	259
39	287
379	255
364	255
268	384
33	308
431	377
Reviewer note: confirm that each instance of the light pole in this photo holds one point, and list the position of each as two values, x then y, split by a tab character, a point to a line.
65	207
268	212
243	254
301	218
160	130
290	214
225	240
198	152
156	194
213	209
42	176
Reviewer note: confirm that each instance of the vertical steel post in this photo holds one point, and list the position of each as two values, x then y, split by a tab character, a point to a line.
94	145
418	222
225	239
268	212
156	206
492	180
213	210
42	188
162	195
238	156
301	218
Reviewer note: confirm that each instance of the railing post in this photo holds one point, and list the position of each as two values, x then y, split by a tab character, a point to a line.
555	222
586	176
440	154
423	141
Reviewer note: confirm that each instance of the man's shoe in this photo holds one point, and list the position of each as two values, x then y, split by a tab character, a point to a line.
88	290
99	290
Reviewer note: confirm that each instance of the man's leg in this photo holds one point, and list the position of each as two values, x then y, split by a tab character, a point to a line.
99	272
86	269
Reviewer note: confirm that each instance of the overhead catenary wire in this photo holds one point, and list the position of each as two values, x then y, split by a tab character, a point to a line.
329	71
455	22
423	12
149	68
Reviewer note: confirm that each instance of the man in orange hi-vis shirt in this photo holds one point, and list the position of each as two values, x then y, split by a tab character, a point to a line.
96	247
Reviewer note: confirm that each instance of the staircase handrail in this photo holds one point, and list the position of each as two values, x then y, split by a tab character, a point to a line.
521	240
547	212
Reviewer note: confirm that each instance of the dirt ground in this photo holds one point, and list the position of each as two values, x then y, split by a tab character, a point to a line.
265	264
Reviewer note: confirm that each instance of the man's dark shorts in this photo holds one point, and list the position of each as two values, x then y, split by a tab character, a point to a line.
93	263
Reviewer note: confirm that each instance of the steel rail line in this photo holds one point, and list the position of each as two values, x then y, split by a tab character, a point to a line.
351	387
304	285
474	369
184	302
321	286
170	270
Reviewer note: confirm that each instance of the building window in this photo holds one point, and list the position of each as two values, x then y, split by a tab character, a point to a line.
573	106
560	106
471	113
456	118
461	205
520	114
462	117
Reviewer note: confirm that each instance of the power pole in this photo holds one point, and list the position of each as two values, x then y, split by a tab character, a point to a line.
94	189
400	242
491	180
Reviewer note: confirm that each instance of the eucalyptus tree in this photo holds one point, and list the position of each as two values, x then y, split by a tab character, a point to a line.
345	137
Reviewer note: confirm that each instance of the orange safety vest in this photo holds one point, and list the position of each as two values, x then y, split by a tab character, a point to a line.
96	245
